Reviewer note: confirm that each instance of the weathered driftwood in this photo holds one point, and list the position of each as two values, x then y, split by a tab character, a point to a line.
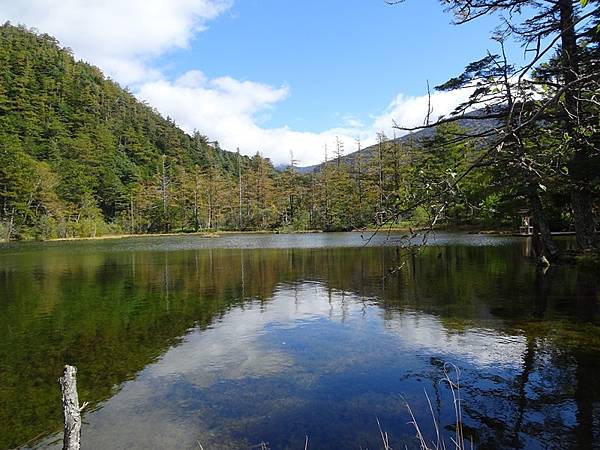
71	410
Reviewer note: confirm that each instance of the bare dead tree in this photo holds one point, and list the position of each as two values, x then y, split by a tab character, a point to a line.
71	409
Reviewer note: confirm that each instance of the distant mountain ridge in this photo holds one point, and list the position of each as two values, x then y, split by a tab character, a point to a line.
414	138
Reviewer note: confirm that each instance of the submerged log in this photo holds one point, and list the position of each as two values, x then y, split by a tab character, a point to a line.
71	410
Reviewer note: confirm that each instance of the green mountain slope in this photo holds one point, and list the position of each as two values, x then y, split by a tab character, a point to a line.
76	149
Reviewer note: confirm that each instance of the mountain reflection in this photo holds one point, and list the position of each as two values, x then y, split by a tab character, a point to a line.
232	347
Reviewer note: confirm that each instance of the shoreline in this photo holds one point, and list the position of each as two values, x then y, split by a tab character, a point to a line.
201	234
219	233
465	230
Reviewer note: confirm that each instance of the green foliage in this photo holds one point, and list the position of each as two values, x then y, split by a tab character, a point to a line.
74	146
81	157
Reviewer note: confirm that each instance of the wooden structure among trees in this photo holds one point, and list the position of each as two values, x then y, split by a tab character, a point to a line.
526	228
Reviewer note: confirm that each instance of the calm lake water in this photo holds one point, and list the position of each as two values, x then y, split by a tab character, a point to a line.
239	340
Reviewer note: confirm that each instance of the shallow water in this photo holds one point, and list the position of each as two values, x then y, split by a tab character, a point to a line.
244	339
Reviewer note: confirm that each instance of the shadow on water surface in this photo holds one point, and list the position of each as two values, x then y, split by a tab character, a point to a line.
233	346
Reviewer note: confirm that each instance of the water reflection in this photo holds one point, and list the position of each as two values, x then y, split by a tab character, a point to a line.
235	346
308	350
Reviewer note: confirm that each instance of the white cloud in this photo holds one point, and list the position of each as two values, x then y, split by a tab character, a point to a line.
119	36
409	111
226	109
123	38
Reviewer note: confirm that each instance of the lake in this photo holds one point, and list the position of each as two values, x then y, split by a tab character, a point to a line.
243	339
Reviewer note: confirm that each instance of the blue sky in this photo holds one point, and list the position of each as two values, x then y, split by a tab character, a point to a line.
271	75
338	58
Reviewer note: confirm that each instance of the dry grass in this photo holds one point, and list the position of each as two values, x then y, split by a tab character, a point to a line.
457	442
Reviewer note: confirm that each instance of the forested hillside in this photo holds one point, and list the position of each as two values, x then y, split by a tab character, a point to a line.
80	156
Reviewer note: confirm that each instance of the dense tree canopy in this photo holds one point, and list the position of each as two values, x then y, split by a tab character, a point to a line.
81	156
545	142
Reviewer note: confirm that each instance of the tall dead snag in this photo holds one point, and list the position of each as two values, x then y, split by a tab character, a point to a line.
71	410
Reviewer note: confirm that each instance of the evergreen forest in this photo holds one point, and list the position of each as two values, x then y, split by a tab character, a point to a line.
81	157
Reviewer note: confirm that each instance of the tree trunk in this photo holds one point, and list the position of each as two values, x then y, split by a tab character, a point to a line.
580	192
196	202
164	182
71	411
585	228
549	247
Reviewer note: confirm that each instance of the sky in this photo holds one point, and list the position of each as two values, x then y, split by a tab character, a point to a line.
273	76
